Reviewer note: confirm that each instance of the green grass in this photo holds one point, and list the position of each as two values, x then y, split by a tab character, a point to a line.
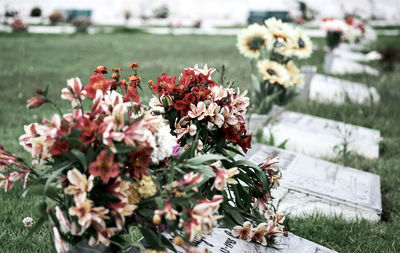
29	61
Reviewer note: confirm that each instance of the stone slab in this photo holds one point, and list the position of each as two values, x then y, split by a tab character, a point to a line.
329	89
315	136
311	185
221	240
342	66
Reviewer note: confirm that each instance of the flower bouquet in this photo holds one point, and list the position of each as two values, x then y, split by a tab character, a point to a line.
112	163
272	47
350	30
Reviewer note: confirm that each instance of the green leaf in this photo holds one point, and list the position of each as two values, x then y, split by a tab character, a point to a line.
167	243
81	157
55	174
151	239
205	170
235	215
125	149
205	159
38	190
124	244
146	212
246	163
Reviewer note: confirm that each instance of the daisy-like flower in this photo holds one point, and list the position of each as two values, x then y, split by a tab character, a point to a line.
251	40
273	72
283	35
296	77
28	222
243	232
303	47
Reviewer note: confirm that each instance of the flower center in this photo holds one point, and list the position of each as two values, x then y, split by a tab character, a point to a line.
272	72
98	85
301	43
256	42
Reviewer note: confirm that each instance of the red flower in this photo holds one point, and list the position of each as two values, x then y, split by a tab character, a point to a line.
97	82
238	137
201	93
245	143
104	167
100	70
132	95
89	131
165	84
139	159
59	147
184	104
36	102
188	77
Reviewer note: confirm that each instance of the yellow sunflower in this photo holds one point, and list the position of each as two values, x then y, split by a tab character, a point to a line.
251	40
273	72
283	35
303	45
296	77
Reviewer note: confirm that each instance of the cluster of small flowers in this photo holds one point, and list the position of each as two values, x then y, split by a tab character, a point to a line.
273	45
351	30
18	25
196	102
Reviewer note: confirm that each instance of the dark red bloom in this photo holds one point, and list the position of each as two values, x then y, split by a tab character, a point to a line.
104	167
188	77
59	147
238	137
245	142
139	159
89	131
165	84
184	105
97	82
201	93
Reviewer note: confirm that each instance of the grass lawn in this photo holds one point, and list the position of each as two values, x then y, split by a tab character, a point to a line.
28	61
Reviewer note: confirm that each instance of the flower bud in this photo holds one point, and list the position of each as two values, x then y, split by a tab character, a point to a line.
39	91
178	241
156	219
35	102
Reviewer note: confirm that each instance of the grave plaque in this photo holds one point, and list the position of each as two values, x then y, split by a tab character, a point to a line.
312	185
341	66
316	136
329	89
222	241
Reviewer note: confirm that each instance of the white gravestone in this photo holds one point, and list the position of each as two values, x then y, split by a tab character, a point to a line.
356	56
311	185
329	89
340	66
316	136
221	240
